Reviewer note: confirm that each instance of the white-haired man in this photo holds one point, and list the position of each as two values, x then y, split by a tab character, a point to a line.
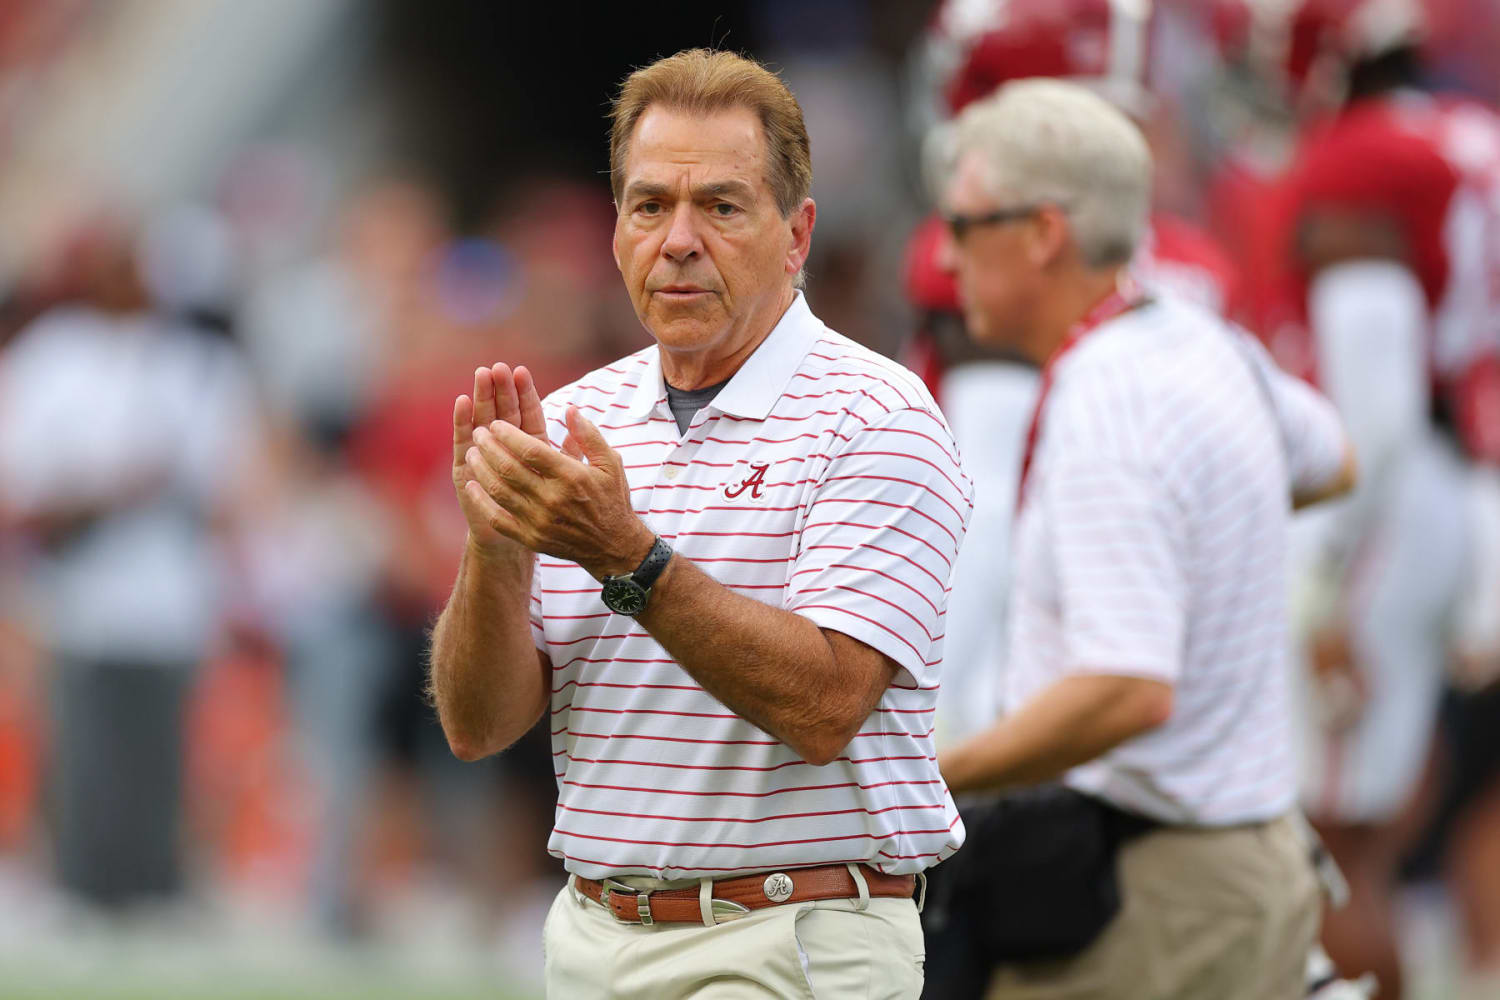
1148	652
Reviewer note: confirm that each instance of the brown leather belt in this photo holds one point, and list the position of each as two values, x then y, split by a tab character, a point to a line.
736	896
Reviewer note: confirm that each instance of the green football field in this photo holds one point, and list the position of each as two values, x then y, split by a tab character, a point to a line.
21	980
150	965
246	990
426	944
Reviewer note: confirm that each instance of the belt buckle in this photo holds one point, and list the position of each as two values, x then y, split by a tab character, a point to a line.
642	899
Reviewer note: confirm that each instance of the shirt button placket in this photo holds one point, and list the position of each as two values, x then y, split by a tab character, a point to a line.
666	496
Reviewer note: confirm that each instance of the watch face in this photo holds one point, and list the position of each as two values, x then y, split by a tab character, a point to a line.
624	597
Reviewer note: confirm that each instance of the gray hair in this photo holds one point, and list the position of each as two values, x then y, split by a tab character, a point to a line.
1047	141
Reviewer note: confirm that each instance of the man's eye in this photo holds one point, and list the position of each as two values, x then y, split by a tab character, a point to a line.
649	208
724	210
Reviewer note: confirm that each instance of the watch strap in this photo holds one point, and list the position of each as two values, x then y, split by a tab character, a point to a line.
651	567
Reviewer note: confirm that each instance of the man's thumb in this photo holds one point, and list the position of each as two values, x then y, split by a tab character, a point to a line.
588	439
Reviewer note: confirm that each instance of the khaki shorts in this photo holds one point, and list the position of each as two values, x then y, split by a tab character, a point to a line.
1207	915
824	950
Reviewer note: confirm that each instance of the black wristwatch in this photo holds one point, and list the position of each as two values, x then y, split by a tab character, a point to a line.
627	593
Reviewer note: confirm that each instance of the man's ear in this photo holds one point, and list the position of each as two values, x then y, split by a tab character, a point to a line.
1050	231
614	240
802	220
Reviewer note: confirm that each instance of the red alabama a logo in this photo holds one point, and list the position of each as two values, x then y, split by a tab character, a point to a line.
753	482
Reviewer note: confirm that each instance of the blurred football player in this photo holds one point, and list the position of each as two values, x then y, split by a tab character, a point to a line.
1387	230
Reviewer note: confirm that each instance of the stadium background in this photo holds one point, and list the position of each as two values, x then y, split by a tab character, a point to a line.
391	192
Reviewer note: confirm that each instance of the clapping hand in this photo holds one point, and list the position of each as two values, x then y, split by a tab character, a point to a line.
500	395
571	502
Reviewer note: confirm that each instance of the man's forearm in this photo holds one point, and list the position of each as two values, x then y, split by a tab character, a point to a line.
1070	723
488	680
810	689
775	668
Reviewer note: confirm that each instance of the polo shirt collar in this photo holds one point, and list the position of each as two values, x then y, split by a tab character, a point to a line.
651	391
763	377
759	381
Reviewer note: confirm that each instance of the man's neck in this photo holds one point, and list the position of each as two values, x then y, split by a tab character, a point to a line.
689	370
1069	302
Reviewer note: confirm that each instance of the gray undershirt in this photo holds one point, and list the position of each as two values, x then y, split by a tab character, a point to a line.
685	403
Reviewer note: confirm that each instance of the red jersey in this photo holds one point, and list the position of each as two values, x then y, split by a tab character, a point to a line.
1244	210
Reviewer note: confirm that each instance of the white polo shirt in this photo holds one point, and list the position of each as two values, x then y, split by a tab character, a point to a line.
1152	542
822	480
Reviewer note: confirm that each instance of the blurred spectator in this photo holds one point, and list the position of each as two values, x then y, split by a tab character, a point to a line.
122	437
319	331
311	556
331	552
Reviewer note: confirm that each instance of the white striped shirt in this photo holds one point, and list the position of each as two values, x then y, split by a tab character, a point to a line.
823	480
1152	543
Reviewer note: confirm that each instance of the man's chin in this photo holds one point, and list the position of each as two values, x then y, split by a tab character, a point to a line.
987	332
685	330
978	329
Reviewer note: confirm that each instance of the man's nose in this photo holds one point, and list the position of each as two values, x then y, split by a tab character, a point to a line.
682	241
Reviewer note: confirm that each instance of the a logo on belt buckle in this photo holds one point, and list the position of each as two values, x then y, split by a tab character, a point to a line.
778	887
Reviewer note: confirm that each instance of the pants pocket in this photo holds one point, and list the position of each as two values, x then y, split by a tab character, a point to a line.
876	953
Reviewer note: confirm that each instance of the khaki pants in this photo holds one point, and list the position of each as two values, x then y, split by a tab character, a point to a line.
1207	915
825	950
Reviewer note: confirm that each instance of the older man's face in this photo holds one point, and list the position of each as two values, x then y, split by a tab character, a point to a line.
995	271
706	255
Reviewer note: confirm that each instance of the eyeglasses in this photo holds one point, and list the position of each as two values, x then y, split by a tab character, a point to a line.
959	225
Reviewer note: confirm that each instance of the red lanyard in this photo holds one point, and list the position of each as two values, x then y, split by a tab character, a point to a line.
1125	296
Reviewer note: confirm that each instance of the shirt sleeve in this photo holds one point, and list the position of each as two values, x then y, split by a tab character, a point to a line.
880	538
1313	439
1119	549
